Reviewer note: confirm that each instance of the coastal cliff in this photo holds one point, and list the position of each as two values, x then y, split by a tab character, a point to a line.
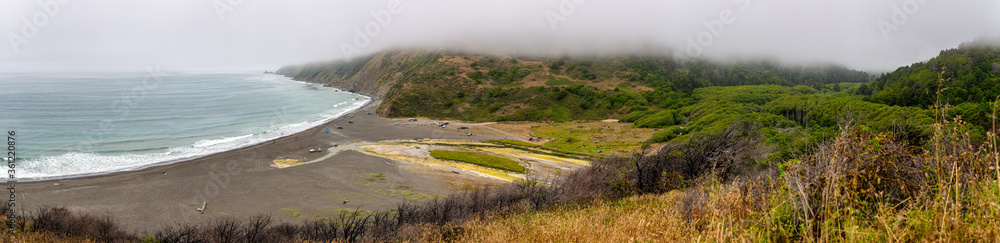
374	75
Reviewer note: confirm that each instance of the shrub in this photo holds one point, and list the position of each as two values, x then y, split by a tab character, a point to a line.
562	81
62	222
864	173
720	155
667	134
556	65
477	75
660	119
672	166
860	167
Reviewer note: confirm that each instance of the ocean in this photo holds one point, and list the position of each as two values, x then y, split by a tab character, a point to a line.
78	124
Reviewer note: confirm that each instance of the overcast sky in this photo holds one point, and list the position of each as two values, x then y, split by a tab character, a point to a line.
53	35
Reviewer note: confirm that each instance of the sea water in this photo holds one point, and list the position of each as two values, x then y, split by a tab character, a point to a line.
76	124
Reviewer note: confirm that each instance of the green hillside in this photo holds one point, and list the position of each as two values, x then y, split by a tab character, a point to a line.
968	73
968	78
797	106
499	88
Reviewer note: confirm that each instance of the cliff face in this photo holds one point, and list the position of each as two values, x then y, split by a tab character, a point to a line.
373	75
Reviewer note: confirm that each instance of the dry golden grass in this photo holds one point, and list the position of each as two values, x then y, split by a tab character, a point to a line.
725	216
639	218
646	218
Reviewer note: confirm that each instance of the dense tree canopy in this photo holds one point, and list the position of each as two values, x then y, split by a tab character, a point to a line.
969	73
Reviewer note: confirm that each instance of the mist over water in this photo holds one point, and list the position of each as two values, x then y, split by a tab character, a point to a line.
68	126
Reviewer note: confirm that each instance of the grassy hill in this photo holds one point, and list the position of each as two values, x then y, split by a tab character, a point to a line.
966	77
798	105
486	87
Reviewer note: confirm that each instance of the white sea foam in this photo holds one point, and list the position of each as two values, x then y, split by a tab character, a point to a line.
211	142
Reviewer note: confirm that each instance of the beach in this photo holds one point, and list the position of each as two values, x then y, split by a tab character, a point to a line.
244	182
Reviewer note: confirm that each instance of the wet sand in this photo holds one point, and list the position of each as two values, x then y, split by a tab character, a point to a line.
242	183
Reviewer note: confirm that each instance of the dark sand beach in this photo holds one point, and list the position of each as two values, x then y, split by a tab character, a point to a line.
243	183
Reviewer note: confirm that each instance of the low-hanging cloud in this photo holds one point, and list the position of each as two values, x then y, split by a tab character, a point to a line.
55	35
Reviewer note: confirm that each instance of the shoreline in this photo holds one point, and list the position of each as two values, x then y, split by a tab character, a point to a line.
324	122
